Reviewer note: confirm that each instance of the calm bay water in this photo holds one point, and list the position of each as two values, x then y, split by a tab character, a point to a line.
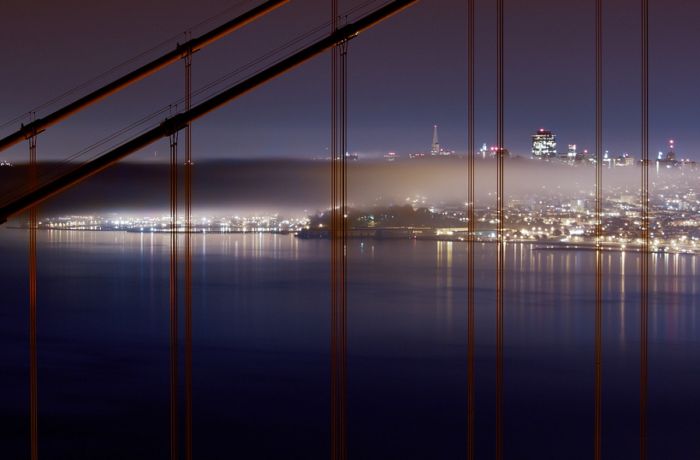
261	349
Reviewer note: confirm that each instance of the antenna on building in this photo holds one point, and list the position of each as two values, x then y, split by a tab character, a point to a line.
435	150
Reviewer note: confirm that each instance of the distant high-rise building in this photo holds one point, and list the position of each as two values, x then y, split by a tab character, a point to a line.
435	149
495	152
669	159
484	150
671	154
544	144
582	156
625	160
571	153
607	161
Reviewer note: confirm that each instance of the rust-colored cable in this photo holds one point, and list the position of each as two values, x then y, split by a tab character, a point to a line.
188	259
471	227
500	244
338	241
33	361
332	238
342	215
597	443
174	445
644	254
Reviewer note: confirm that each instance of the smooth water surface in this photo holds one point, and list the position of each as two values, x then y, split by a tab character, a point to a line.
261	316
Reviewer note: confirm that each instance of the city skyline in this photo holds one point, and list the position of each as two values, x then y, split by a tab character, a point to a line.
392	97
437	149
411	229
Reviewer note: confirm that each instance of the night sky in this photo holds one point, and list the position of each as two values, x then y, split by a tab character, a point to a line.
405	75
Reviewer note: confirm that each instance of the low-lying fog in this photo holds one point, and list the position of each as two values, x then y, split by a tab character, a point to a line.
293	186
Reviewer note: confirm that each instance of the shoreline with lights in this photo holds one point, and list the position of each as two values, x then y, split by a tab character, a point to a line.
553	227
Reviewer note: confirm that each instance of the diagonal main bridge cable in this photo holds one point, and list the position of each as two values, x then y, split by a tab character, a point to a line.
122	65
136	58
146	123
179	121
175	55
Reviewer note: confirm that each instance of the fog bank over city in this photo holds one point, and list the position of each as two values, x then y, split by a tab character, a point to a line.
294	186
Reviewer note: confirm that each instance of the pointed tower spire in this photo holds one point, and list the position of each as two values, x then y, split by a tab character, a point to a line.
435	150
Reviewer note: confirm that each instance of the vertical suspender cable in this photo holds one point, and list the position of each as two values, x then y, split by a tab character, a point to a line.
332	235
33	367
174	445
597	444
188	258
500	244
644	254
338	236
343	216
471	227
333	240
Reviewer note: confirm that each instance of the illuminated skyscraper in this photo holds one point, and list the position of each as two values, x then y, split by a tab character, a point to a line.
544	144
484	150
671	154
435	149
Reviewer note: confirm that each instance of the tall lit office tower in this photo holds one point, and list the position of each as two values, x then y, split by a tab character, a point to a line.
484	150
435	149
671	154
544	144
571	154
